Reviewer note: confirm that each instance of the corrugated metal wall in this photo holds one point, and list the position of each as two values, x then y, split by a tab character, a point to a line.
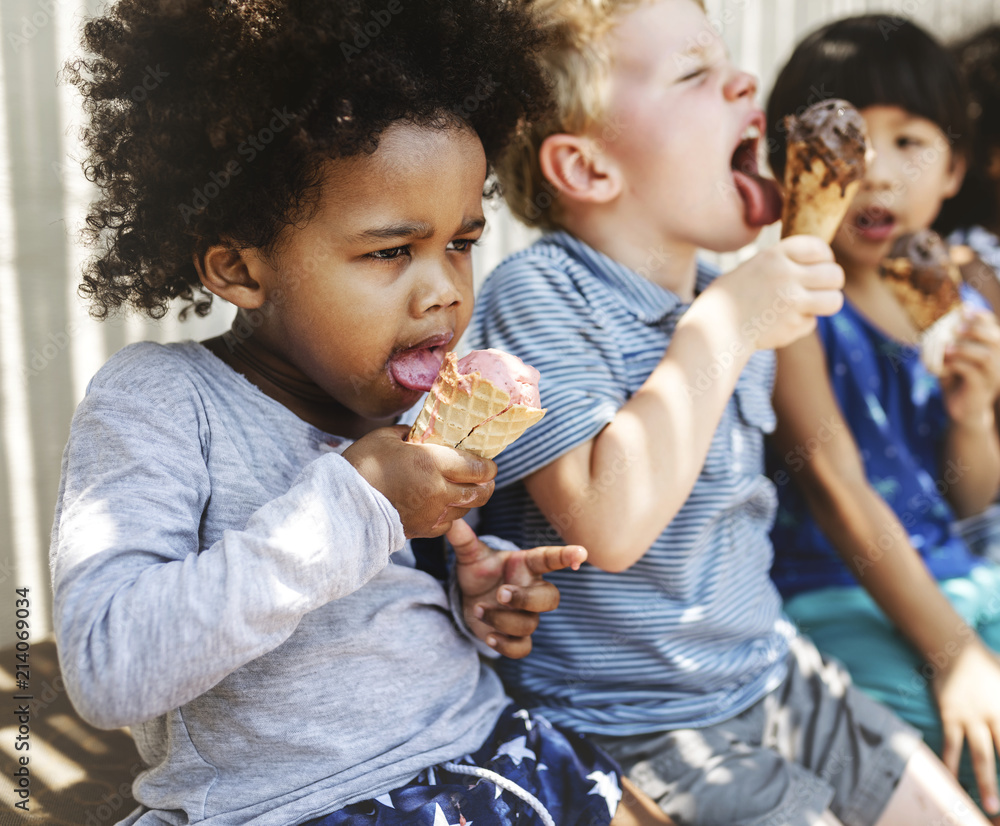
49	348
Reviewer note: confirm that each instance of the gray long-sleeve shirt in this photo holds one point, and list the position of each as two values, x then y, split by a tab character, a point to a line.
228	585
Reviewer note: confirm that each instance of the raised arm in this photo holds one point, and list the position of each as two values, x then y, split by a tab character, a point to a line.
616	493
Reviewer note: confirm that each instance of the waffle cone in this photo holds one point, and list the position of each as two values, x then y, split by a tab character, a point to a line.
815	203
470	413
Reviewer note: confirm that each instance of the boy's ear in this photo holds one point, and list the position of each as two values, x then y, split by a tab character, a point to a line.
224	272
579	170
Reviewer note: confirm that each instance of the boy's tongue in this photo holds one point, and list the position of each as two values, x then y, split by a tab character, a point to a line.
417	368
761	198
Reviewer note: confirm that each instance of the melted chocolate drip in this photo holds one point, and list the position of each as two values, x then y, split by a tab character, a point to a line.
833	131
930	266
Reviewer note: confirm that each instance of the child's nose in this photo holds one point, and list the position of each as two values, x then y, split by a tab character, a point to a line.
438	290
880	172
741	84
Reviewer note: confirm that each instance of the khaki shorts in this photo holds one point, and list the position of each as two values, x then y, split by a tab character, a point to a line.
812	744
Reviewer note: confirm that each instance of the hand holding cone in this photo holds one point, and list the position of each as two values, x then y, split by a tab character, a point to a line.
925	280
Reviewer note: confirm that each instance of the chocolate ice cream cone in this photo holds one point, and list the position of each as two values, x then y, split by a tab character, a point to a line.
812	205
925	280
824	166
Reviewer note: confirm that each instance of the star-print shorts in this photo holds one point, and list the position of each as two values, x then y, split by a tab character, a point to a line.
527	773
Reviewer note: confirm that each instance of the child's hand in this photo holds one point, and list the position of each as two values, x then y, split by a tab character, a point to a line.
970	381
967	690
779	292
429	485
503	591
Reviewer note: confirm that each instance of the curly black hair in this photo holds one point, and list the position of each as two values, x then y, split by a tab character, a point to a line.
210	120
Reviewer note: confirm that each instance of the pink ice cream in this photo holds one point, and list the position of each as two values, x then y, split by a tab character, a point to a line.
505	371
480	404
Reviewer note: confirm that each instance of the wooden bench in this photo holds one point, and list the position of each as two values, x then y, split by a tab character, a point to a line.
77	775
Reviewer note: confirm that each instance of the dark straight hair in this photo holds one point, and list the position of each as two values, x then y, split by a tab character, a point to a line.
871	60
979	61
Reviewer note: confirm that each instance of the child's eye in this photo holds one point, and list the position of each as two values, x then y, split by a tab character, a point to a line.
692	74
389	254
463	244
908	142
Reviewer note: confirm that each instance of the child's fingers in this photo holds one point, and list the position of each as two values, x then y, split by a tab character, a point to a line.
537	598
951	751
469	496
968	351
994	809
546	559
806	249
980	326
446	520
461	466
457	501
984	765
968	358
821	302
468	549
824	276
510	623
513	648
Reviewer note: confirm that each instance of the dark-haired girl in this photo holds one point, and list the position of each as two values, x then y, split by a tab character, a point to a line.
881	455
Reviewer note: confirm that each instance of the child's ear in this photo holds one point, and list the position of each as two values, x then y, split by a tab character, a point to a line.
993	165
956	175
578	169
224	272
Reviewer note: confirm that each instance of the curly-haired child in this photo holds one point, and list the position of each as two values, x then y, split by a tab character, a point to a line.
232	573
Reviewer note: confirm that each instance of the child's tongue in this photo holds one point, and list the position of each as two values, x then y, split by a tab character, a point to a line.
761	198
417	368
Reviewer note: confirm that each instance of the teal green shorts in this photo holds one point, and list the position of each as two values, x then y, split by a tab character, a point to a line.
845	623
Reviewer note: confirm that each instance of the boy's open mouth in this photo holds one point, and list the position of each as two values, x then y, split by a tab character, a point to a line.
874	223
416	367
761	196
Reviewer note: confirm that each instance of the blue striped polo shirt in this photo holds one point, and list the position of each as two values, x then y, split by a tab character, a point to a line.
692	633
